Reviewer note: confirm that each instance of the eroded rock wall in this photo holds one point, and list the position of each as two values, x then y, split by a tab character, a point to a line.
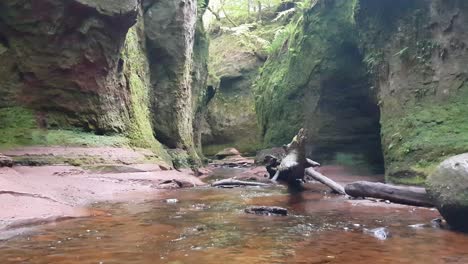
230	118
173	34
105	67
62	58
349	65
419	63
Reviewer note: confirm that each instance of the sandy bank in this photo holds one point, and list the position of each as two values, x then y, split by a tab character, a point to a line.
32	195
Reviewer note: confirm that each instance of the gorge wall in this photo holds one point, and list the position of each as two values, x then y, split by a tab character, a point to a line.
103	72
230	118
380	83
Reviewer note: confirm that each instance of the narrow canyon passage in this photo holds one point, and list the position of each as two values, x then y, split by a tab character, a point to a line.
233	131
347	123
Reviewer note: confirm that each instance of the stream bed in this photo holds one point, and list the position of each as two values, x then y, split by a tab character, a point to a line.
208	225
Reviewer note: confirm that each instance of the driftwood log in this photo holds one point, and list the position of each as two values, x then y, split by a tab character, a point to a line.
336	187
291	169
295	167
233	182
416	196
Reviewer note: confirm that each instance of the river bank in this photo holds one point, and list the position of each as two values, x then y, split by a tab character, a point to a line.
54	189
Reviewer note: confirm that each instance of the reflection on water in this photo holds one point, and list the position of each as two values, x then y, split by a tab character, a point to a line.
209	226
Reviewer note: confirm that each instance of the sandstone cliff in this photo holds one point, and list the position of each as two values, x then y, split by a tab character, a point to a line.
101	73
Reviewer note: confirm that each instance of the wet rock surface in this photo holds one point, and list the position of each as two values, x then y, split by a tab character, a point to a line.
448	187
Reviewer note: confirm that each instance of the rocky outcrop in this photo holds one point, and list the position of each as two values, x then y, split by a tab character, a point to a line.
62	61
171	54
385	78
448	187
230	118
91	67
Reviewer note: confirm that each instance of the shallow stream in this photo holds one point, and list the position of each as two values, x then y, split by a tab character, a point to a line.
209	225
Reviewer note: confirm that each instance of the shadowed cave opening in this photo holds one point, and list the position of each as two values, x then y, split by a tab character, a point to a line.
348	131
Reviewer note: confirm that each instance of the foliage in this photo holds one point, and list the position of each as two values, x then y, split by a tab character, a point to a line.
246	8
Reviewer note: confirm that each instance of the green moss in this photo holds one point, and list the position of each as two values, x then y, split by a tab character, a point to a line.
16	126
423	135
287	88
39	160
136	71
413	181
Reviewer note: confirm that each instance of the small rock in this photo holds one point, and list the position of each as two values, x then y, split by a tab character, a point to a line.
267	210
381	233
172	201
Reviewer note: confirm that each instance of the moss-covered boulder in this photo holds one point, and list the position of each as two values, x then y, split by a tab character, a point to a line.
448	187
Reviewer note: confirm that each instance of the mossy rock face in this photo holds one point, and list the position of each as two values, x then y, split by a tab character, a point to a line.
80	68
65	63
177	48
230	118
423	93
448	187
317	80
396	60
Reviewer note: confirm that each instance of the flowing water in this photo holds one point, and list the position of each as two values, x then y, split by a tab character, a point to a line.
208	225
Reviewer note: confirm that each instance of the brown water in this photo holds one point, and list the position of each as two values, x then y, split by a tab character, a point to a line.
209	226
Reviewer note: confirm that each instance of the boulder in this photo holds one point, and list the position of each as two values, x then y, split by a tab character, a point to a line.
228	152
5	161
448	187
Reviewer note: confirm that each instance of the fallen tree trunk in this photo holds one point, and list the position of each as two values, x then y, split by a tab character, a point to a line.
291	168
233	182
325	180
398	194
